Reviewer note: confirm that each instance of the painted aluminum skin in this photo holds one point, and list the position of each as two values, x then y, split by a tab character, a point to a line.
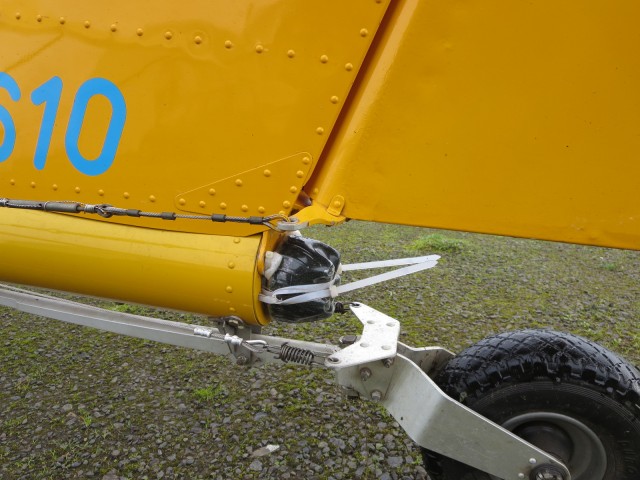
514	118
226	106
208	274
501	117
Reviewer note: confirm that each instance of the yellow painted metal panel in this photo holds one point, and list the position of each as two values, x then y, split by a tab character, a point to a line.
209	274
140	105
516	118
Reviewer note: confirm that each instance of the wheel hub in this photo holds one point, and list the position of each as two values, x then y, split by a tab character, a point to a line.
547	472
568	439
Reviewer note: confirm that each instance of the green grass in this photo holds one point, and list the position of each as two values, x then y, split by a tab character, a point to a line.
210	394
437	242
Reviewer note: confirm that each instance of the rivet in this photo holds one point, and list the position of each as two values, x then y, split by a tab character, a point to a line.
12	181
364	345
261	210
54	186
238	182
299	174
291	54
386	347
231	265
267	173
223	206
18	15
126	195
87	24
202	204
212	191
306	160
168	35
229	289
337	204
293	189
228	44
39	18
62	20
101	192
114	27
334	99
77	189
324	59
316	191
182	201
232	310
33	184
348	67
152	198
139	32
244	208
259	48
236	240
319	130
364	32
286	204
198	40
282	212
533	461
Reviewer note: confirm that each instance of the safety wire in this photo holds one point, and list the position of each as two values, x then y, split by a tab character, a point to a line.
107	211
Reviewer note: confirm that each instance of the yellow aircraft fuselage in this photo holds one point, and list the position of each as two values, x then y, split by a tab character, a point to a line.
501	117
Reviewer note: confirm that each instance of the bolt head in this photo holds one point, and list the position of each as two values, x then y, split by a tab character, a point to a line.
547	472
376	395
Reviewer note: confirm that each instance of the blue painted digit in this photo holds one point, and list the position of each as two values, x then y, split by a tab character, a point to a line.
90	88
50	93
9	141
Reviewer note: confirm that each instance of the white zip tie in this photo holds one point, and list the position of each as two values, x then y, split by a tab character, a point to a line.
310	292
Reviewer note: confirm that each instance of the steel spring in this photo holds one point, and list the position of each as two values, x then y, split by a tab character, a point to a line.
295	354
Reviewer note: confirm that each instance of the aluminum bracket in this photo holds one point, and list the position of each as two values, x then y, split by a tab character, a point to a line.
372	366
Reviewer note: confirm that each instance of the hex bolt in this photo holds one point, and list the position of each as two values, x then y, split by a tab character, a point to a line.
547	472
365	374
387	362
376	395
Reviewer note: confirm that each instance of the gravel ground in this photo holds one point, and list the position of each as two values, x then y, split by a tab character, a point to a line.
79	403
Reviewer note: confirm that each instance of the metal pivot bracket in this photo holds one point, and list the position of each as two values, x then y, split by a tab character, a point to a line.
432	419
376	366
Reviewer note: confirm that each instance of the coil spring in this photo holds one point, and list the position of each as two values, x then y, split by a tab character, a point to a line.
295	354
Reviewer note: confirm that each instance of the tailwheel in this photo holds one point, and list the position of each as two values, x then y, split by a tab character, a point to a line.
566	395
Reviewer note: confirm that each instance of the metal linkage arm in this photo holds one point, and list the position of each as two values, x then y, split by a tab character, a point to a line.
247	350
380	368
376	366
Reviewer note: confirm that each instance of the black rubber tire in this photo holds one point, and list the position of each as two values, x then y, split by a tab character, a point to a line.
547	373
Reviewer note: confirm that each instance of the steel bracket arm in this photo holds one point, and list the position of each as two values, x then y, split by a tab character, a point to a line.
376	366
432	419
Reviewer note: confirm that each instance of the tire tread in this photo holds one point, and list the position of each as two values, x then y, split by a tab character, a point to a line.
527	356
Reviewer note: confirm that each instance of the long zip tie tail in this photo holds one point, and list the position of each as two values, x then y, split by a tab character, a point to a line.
306	293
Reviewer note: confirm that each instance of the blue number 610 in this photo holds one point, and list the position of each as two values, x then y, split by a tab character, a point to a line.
49	93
